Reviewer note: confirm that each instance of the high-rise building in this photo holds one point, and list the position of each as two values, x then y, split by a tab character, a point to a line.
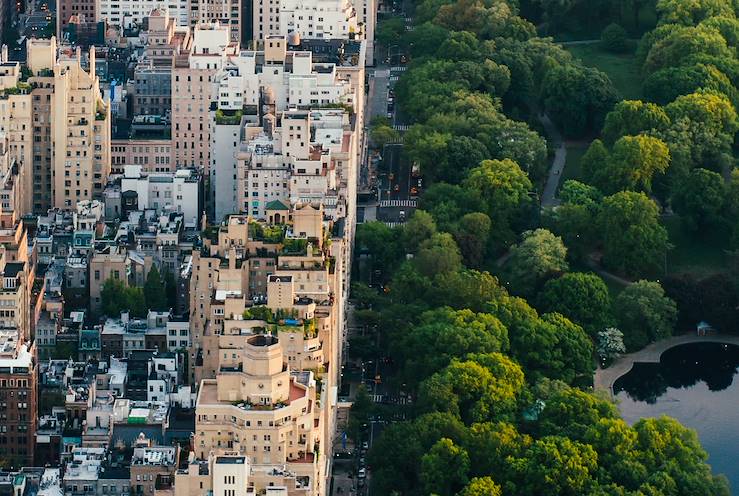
80	133
227	13
192	92
57	123
18	386
270	414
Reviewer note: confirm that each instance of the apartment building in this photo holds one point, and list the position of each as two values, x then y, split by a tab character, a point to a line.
192	93
58	124
152	468
130	14
226	13
329	19
16	137
294	163
18	395
84	11
166	192
229	474
319	20
152	155
80	133
269	414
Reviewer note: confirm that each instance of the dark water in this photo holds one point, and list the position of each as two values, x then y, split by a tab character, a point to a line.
694	383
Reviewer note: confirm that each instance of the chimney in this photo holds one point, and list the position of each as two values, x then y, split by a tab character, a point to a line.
4	55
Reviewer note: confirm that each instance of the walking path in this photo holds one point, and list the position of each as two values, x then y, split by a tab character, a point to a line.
605	378
558	164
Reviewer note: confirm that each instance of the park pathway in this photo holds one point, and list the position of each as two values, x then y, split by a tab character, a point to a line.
605	378
548	198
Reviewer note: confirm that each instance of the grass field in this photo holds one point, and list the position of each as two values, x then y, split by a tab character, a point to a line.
572	169
623	69
702	253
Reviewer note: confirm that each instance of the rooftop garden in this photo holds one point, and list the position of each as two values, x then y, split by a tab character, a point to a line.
229	117
294	246
266	233
281	320
21	88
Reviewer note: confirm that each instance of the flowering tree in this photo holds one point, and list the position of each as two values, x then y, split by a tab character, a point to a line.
610	343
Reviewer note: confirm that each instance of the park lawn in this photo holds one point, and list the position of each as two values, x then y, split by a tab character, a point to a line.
622	69
573	169
701	254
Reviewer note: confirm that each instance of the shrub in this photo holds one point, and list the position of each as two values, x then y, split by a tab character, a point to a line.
613	39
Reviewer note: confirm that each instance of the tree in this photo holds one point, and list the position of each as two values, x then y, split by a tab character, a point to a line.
170	288
113	297
361	409
540	255
699	199
583	298
634	161
556	466
665	85
682	44
577	98
610	343
633	117
438	255
482	486
465	289
573	348
419	228
613	39
576	225
595	160
472	235
483	388
382	135
444	334
389	31
692	12
444	468
644	314
154	292
634	242
501	185
381	243
576	193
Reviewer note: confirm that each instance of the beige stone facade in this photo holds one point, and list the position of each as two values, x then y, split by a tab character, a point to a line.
267	413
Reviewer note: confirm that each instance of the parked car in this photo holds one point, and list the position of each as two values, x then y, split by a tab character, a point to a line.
362	473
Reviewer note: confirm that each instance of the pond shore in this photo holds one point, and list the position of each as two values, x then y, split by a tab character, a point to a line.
605	378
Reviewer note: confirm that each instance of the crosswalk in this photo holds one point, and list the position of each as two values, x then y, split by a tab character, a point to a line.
399	68
394	79
401	127
398	400
399	203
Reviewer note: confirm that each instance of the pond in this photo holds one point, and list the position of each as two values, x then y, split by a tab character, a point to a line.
693	383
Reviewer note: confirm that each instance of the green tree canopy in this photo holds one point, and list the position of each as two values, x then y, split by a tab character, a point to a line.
634	242
577	98
540	255
700	198
444	468
419	228
438	255
444	334
583	298
154	291
644	314
633	117
472	235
